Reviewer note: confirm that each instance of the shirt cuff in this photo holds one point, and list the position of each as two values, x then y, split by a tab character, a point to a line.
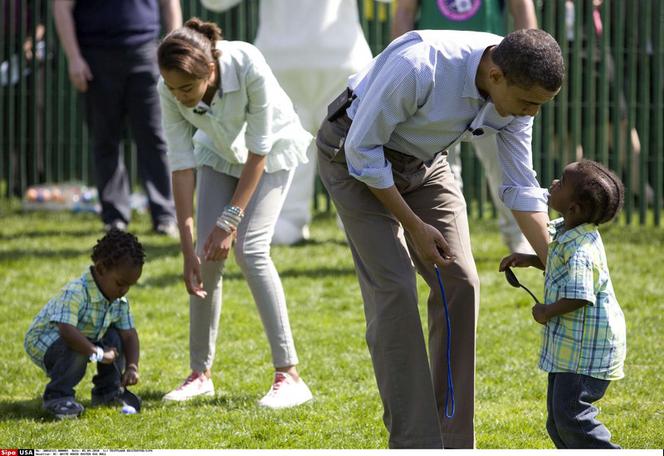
259	145
525	199
61	318
374	177
583	295
124	325
179	161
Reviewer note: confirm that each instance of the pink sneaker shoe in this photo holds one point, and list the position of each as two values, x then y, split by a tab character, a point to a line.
197	384
286	392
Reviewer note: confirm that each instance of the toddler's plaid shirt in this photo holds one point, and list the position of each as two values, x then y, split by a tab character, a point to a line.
80	303
590	340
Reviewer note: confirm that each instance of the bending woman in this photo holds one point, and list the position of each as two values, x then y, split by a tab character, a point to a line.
232	132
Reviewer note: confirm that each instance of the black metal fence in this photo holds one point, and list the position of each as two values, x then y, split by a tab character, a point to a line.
610	108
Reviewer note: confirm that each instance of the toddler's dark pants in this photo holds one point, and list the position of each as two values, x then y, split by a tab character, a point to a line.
66	367
572	418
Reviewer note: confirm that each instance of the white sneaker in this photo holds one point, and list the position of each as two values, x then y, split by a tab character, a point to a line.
197	384
286	392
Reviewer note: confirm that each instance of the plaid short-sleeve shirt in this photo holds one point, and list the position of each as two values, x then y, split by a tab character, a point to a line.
590	340
80	303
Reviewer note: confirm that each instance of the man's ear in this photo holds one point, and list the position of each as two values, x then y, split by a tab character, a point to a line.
99	269
496	75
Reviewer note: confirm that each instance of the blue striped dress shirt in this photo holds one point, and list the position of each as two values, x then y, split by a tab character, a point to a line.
419	97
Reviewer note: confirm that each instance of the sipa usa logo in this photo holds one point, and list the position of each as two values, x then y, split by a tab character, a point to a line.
26	452
8	452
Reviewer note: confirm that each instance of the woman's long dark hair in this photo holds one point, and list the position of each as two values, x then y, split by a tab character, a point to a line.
191	48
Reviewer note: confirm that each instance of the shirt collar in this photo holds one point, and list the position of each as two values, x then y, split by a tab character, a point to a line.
229	78
472	64
561	235
93	290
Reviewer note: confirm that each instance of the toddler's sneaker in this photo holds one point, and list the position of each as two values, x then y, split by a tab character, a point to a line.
120	399
197	384
63	408
286	392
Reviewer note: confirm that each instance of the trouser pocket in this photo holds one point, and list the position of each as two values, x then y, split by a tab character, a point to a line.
331	138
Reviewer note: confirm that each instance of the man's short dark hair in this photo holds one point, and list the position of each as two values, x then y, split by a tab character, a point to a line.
530	58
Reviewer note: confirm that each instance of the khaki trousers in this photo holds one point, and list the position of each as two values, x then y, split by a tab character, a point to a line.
412	387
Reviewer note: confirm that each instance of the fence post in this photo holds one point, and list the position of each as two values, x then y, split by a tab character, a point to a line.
643	122
630	45
658	111
602	154
561	100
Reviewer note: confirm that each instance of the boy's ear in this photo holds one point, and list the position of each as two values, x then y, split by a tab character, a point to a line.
576	210
99	269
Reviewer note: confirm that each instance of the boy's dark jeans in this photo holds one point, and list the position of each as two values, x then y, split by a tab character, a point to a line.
571	420
66	368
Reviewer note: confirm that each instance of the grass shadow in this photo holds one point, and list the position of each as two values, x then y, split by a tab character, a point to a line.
315	242
44	234
153	399
151	395
31	409
38	254
20	410
169	279
152	252
325	272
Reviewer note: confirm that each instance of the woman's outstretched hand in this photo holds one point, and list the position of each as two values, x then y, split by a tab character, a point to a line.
192	276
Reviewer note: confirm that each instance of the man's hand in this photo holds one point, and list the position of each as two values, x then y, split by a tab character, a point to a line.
429	242
431	245
79	73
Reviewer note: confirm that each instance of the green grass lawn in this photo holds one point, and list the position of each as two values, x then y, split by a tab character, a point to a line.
40	252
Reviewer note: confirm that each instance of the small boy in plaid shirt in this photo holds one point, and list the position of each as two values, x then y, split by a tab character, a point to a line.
584	342
89	320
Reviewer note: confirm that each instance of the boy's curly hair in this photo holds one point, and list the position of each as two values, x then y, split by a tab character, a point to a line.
601	193
118	247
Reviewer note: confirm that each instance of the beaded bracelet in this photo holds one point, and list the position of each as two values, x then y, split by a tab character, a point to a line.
230	218
226	225
234	210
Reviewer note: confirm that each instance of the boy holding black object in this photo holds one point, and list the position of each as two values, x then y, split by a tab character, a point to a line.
584	341
90	320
